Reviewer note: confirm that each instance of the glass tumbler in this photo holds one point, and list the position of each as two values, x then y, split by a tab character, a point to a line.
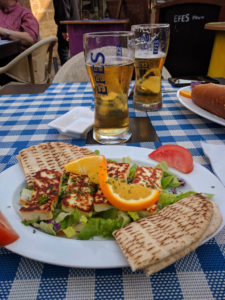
151	46
109	58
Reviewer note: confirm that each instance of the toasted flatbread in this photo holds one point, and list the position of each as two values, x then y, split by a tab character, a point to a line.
214	224
176	227
50	155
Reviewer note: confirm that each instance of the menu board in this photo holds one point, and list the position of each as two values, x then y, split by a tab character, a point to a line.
190	44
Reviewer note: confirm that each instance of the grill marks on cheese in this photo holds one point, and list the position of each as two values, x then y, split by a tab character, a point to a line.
44	198
150	177
115	170
79	194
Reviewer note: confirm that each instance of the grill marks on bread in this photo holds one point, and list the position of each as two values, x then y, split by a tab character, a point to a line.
44	198
173	229
214	224
50	155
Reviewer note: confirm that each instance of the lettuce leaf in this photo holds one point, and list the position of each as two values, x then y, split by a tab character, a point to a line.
99	227
169	180
47	228
70	220
167	198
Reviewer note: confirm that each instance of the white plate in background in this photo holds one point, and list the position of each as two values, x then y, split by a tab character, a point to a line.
188	103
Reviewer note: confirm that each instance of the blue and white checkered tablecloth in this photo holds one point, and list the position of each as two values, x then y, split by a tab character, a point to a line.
200	275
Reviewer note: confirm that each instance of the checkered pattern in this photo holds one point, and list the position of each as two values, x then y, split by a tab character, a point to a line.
199	275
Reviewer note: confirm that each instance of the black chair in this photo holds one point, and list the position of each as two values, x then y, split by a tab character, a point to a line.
190	44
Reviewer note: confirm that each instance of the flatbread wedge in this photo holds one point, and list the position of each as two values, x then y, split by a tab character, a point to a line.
213	226
50	155
176	227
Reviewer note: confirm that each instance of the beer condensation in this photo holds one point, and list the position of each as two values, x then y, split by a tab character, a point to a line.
111	96
148	79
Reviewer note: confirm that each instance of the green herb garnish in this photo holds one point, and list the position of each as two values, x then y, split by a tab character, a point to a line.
42	200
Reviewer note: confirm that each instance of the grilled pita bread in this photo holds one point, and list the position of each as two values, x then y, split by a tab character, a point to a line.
213	226
174	229
50	155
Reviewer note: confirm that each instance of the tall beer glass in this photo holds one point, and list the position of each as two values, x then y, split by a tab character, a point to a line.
109	58
151	46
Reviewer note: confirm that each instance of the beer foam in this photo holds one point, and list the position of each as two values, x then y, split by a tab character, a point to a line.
146	54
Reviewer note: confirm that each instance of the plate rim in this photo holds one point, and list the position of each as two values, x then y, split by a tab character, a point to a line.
118	260
198	110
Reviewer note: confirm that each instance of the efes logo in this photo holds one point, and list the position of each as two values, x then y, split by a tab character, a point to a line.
145	41
118	50
98	72
156	46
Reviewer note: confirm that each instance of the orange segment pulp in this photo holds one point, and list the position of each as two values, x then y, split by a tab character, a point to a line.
87	165
124	196
186	94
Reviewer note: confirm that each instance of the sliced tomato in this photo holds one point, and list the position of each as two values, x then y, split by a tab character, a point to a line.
176	156
7	233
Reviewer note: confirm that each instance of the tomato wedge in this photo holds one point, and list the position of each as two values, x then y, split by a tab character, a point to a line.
176	156
7	233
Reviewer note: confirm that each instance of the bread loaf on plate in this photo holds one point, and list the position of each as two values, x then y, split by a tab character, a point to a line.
210	97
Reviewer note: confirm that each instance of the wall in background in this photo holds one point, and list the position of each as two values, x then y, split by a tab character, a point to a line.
43	10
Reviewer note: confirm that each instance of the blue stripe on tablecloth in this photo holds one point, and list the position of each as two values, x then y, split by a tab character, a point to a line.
8	266
109	284
213	265
166	283
216	261
53	282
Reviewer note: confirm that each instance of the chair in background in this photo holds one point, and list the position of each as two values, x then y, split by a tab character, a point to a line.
30	65
74	70
190	44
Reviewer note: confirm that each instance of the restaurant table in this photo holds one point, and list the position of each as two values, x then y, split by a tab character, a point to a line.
77	28
24	122
217	61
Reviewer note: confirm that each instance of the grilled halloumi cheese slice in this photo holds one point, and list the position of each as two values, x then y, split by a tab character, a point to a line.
150	177
44	197
79	194
115	170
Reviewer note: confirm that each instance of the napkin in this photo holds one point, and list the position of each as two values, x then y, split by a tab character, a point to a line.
216	155
76	123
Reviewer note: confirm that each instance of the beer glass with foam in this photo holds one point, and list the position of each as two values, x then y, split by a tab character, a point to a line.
109	58
151	46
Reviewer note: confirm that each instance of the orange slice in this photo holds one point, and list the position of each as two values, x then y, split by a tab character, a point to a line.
124	196
87	165
186	94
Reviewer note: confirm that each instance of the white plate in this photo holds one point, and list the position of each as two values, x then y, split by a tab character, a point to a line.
188	103
93	253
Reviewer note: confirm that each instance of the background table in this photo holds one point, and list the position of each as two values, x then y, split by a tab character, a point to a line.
76	30
200	275
217	61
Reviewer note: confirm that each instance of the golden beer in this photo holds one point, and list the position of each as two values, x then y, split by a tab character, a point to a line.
148	81
110	84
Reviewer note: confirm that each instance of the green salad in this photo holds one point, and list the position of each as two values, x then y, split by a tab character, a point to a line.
77	225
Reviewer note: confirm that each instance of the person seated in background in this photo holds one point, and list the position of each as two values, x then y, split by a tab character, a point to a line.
18	23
